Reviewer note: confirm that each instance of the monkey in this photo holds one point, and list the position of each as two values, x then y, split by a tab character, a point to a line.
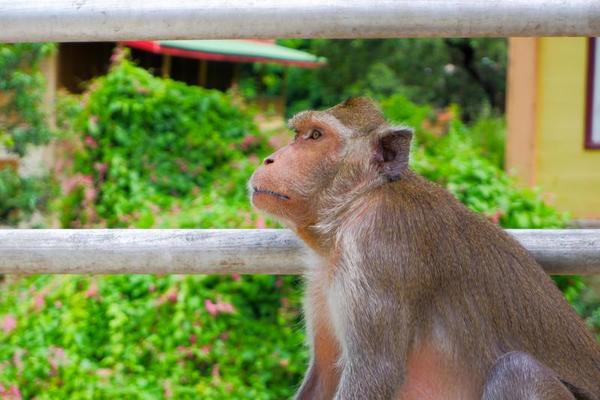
410	295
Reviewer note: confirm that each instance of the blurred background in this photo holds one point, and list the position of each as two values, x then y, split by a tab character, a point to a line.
165	134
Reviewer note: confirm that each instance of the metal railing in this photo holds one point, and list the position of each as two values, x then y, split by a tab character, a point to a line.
266	251
222	251
111	20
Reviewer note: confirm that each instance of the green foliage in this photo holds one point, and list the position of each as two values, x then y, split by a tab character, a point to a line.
457	160
144	142
588	303
21	90
149	337
22	123
435	71
20	196
224	205
488	133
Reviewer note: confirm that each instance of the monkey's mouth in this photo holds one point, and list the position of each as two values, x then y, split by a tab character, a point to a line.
256	190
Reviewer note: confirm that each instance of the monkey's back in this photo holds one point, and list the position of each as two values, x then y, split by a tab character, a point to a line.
486	291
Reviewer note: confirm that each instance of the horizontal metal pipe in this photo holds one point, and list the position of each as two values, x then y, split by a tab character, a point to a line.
223	251
111	20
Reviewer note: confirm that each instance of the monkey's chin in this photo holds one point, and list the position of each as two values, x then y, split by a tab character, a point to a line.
272	205
267	203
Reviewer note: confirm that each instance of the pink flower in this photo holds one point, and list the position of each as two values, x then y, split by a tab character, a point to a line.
219	307
248	142
260	223
235	276
167	389
101	167
92	290
193	339
119	53
90	142
142	90
182	165
13	393
224	307
216	371
104	372
253	159
184	351
56	357
205	349
90	194
86	179
9	323
38	302
58	352
211	307
495	218
69	184
172	296
17	359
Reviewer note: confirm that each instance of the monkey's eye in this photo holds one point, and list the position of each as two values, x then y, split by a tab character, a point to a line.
315	134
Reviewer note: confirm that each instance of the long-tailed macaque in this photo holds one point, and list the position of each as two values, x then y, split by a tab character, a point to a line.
411	295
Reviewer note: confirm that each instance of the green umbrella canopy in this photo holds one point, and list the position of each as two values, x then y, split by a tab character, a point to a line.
231	50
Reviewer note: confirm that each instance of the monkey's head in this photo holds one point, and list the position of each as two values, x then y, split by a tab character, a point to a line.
335	155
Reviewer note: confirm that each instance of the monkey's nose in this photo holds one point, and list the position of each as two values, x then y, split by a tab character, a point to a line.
269	160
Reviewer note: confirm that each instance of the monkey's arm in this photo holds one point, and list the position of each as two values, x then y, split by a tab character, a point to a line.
322	377
310	386
374	346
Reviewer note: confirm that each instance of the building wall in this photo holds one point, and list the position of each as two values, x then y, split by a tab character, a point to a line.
564	168
521	108
546	103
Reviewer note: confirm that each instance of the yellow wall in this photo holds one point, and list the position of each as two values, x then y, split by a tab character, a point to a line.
521	96
568	172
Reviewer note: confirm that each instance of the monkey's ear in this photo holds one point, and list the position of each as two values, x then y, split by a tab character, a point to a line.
392	151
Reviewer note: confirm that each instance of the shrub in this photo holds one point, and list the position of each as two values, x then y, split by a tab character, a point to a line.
150	337
447	152
20	196
144	141
22	123
439	71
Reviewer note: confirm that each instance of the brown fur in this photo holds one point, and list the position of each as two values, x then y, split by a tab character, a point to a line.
414	295
323	376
